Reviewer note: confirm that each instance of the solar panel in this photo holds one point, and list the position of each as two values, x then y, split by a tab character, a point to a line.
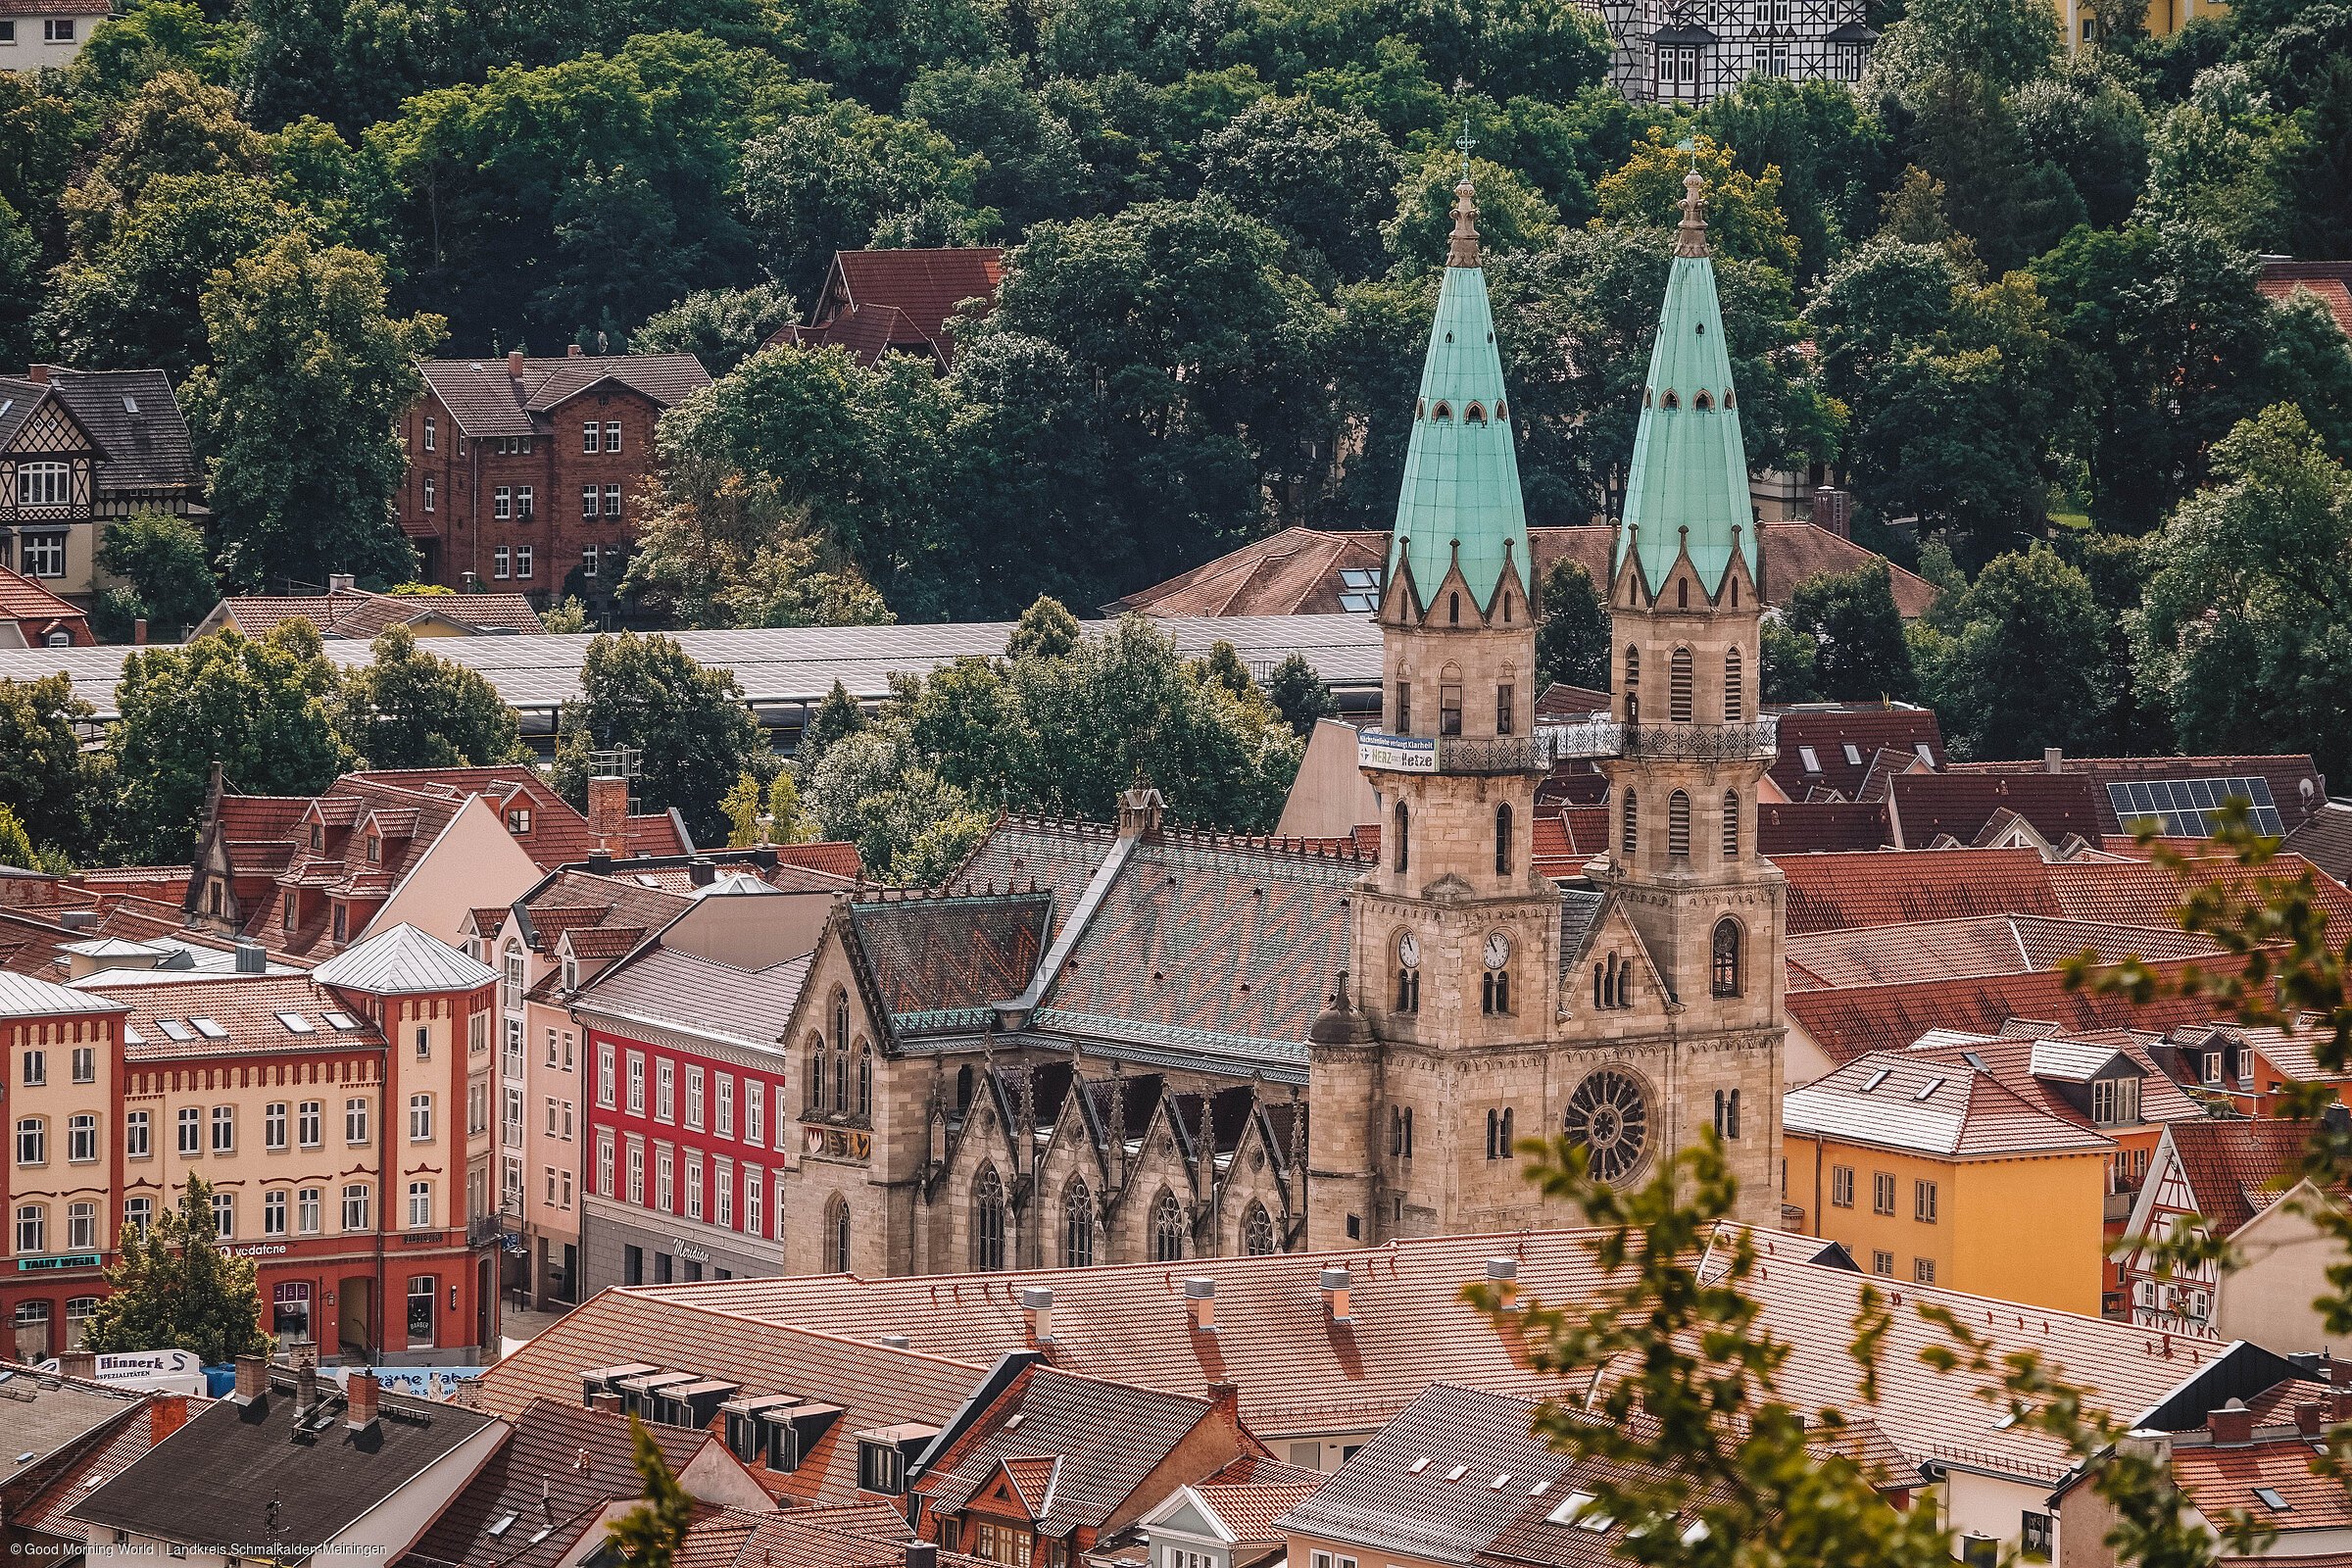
2186	808
1359	578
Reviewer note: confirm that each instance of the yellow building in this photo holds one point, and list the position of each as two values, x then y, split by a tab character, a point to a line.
2078	18
1936	1174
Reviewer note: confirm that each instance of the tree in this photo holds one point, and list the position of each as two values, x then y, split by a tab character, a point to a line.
2243	637
173	1287
689	725
17	848
43	775
1742	212
1572	631
837	717
1032	166
2088	126
1299	695
1046	630
1857	634
128	51
1323	177
407	708
163	556
1512	215
2220	160
1833	155
2018	661
828	180
719	326
649	1534
259	709
174	125
565	617
309	375
787	822
1788	657
2006	42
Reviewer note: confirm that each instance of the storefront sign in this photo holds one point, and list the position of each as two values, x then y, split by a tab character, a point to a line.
843	1143
61	1260
258	1250
687	1251
1396	754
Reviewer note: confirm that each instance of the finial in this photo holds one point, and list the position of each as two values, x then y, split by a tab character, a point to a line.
1461	249
1691	238
1465	141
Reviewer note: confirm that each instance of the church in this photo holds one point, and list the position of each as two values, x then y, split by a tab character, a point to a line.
1129	1041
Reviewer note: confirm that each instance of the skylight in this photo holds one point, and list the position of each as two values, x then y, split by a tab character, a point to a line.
1498	1482
1458	1472
1811	758
297	1024
1360	591
1927	1091
131	1037
1872	1083
1975	1060
175	1029
208	1028
130	404
1417	1466
1853	755
1925	755
506	1522
340	1020
1571	1505
2272	1500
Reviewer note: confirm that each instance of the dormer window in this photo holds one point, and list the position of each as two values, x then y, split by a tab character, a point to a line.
1444	411
518	820
2213	1067
1704	401
1670	402
1474	415
375	849
317	836
881	1469
2114	1102
571	974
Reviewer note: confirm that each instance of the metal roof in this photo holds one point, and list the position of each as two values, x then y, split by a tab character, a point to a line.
25	996
789	664
401	962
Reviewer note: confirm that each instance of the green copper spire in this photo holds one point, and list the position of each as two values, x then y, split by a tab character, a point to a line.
1461	470
1689	467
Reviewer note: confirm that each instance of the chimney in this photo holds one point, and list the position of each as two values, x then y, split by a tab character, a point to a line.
82	1364
306	1378
252	957
167	1413
341	582
1335	1282
583	1462
701	871
1200	1303
609	813
37	374
2231	1423
605	1404
1226	1399
2311	1418
139	631
573	352
1502	1275
1037	1310
362	1390
1833	511
514	364
252	1379
2053	759
921	1554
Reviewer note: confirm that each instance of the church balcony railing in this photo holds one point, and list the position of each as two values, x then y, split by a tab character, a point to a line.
1583	739
1500	753
1757	741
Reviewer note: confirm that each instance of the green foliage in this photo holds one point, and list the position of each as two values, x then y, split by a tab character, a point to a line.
564	618
719	326
2088	126
407	708
2018	661
131	48
42	776
2220	160
165	557
1323	177
689	724
1834	157
17	848
1046	630
1789	657
787	822
259	709
649	1534
1572	635
175	1287
20	284
1031	164
308	376
1512	215
2006	43
834	179
1856	634
2243	637
1299	695
1744	210
838	717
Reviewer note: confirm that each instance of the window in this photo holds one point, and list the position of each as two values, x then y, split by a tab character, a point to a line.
1502	839
665	1181
882	1468
588	429
224	1215
33	1228
1404	708
2034	1534
274	1213
43	484
988	1220
754	1194
1923	1202
285	919
136	1129
755	1112
1731	825
837	1237
499	566
420	1205
428	492
307	1123
191	1132
1678	687
1077	1224
1735	688
1506	709
428	432
85	1064
1450	704
2114	1100
613	426
355	1206
1881	1192
722	1090
1499	1136
421	1118
81	1138
694	1186
138	1213
1923	1269
722	1195
36	1069
587	560
1727	1113
636	1084
44	555
522	561
612	500
1495	987
421	1309
603	1161
502	502
1405	838
1167	1229
588	495
81	1227
694	1097
666	1090
354	1120
522	505
1677	65
1631	835
636	1173
866	1081
1841	1186
33	1141
1882	1263
225	1129
604	1074
1678	826
1726	963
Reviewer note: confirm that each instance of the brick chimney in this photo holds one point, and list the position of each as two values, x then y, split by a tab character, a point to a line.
1226	1399
609	813
2311	1418
2231	1423
81	1364
1335	1286
514	364
574	352
1200	1303
364	1399
37	374
252	1379
139	631
167	1413
341	582
605	1404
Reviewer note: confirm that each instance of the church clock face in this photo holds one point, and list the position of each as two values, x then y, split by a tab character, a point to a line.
1609	1116
1498	950
1408	951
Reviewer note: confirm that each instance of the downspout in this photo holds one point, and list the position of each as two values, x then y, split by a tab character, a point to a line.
1817	1184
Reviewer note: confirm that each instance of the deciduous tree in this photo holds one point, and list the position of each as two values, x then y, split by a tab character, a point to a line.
689	726
165	559
407	708
1572	639
174	1287
2018	661
42	771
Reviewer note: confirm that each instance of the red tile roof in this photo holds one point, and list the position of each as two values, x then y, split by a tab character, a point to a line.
1848	1022
2219	1481
2297	787
1903	1100
1819	827
245	1009
356	613
1869	728
2330	281
485	400
1845	892
36	611
1927	806
1978	945
2009	1060
2235	1169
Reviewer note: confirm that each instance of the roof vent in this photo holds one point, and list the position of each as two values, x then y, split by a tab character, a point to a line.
250	958
1200	1303
1334	1282
1037	1311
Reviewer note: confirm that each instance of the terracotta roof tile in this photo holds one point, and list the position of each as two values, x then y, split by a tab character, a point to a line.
1850	1021
244	1008
485	401
2222	1480
1924	806
2331	281
1827	731
2010	1062
1979	945
357	613
38	613
680	990
1819	827
2237	1168
1843	892
1902	1100
2297	785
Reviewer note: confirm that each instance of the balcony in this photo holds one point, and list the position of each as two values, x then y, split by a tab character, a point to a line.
1757	742
1452	754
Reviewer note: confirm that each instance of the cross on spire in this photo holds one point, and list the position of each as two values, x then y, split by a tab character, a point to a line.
1465	141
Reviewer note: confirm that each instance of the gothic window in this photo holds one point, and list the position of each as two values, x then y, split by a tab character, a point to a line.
816	1072
1678	681
988	1220
1734	683
1258	1231
841	1053
1077	1225
1474	415
1727	1113
1670	401
1405	829
964	1090
1631	835
1727	957
1450	700
1502	411
1495	992
837	1236
1678	826
1608	1117
1681	593
1502	839
1454	609
1703	401
1731	825
1632	685
1506	695
865	1080
1408	973
1404	708
1167	1229
1444	411
1498	1133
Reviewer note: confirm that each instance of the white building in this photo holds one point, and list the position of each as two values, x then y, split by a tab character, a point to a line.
38	33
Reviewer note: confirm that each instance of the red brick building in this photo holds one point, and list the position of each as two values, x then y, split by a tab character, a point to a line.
524	475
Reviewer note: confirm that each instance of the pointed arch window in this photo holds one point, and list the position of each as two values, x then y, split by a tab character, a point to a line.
1735	684
1405	838
988	1220
1678	826
1077	1225
1408	973
1731	825
1443	411
1631	837
1502	839
1670	402
1681	593
837	1236
1726	965
1474	415
1704	401
1167	1229
1454	609
865	1080
816	1073
1632	684
841	1053
1679	684
1258	1231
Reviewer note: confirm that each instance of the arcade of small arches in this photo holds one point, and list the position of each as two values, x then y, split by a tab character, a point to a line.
1169	1228
846	1067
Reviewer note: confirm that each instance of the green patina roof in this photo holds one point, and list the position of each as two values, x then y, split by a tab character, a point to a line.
1689	467
1461	477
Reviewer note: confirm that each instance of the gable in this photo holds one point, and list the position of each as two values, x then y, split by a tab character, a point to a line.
51	428
1183	1515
